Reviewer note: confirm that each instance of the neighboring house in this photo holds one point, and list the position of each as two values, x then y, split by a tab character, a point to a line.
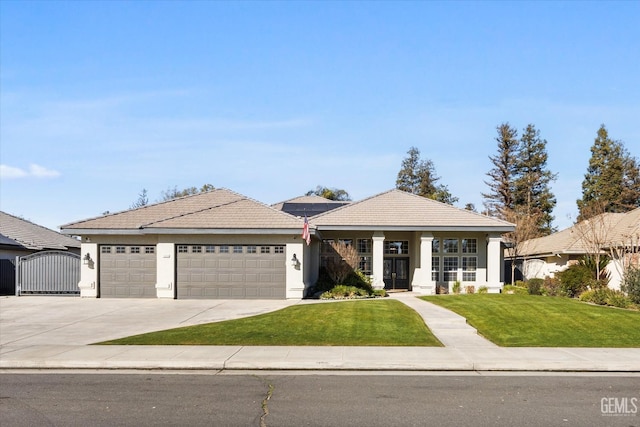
613	233
18	238
221	244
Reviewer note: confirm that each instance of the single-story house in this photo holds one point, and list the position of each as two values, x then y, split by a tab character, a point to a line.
544	256
221	244
19	238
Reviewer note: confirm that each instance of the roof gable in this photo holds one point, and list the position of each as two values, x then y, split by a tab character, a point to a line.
399	209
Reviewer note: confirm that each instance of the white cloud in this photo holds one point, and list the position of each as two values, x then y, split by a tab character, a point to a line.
35	171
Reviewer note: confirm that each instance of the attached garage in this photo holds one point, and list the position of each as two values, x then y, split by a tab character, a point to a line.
127	271
231	271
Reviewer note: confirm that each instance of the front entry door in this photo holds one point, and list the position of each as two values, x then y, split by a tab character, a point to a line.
396	273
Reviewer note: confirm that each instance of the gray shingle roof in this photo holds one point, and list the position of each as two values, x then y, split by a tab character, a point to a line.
399	209
32	236
613	227
216	209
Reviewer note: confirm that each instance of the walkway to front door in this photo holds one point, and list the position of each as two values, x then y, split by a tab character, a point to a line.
396	273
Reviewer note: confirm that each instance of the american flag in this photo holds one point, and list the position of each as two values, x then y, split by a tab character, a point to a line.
305	231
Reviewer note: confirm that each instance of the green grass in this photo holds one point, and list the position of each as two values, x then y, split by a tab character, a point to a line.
538	321
349	323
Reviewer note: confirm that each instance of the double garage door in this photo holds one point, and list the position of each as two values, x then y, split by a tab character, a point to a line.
203	271
231	271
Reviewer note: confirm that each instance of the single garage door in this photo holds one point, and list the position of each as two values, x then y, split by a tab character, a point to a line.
127	271
231	271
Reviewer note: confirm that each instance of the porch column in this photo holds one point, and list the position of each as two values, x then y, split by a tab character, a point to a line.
88	271
165	270
378	260
422	282
493	263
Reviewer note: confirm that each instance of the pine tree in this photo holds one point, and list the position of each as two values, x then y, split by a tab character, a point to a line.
501	198
611	183
532	192
419	177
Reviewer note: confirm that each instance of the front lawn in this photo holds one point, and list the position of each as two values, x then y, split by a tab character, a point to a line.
349	323
538	321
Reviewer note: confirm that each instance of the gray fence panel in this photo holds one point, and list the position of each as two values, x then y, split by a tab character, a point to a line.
50	272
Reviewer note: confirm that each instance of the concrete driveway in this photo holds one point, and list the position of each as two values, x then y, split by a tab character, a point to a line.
44	320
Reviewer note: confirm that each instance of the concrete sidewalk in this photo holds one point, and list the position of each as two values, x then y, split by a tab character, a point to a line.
53	333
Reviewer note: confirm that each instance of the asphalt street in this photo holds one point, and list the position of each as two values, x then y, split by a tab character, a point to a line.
297	399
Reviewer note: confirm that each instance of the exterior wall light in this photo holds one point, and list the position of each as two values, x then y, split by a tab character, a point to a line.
86	259
294	261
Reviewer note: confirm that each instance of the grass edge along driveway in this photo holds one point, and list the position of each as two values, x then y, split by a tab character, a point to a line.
539	321
375	322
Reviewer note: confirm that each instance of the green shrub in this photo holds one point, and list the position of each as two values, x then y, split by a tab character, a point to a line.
456	287
631	284
360	280
619	299
534	286
380	293
324	282
470	289
575	279
517	290
520	284
606	296
483	290
595	296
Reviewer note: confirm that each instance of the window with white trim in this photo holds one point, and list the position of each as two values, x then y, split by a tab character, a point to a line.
450	246
252	249
237	249
469	246
196	249
450	268
435	268
396	247
135	249
265	249
183	249
469	266
149	249
435	246
210	249
278	250
121	250
105	250
224	249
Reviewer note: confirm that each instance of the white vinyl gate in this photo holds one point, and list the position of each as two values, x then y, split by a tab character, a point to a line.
49	272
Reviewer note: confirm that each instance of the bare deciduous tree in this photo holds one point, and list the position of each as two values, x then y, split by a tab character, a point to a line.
526	229
343	261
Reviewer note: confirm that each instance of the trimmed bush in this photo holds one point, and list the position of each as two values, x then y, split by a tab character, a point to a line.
534	286
631	284
470	289
575	280
483	290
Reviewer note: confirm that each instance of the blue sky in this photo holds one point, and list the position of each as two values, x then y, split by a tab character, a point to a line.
99	100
